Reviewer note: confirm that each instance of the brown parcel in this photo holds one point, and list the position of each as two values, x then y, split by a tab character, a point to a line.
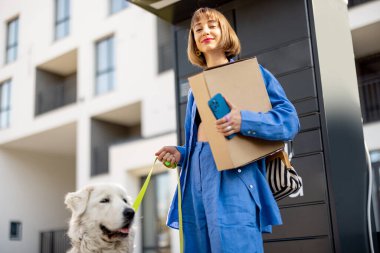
241	83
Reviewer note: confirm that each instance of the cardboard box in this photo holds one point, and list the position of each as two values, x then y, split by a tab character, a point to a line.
240	82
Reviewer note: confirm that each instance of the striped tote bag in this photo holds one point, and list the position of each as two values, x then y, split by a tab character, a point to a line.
282	178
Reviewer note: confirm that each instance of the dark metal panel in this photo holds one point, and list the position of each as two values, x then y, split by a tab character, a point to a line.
301	221
267	24
310	122
311	170
299	85
308	142
184	66
307	106
289	58
177	11
184	87
315	245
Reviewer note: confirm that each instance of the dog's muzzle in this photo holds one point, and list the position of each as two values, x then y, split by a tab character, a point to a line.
128	214
119	233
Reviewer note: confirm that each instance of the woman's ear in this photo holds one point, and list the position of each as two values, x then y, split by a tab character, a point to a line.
77	201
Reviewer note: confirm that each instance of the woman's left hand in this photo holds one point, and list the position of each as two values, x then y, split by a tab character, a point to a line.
231	122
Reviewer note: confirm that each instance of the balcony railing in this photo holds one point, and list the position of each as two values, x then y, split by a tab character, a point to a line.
352	3
54	241
54	91
369	91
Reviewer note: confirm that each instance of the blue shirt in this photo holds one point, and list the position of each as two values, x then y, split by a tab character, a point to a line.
280	123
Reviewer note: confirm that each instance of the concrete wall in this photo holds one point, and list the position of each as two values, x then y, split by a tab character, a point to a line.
33	187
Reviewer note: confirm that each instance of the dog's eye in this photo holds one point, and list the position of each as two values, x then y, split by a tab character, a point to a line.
125	201
105	200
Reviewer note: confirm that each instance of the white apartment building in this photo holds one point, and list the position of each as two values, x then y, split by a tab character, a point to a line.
87	95
365	29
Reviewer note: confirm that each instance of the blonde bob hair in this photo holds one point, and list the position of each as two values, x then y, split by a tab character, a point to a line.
229	41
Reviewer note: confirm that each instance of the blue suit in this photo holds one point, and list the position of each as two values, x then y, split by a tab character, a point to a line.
235	205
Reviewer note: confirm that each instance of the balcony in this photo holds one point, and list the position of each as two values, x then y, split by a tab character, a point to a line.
352	3
111	127
56	83
55	241
369	91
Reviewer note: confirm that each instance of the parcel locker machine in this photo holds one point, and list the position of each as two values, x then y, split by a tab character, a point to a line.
307	45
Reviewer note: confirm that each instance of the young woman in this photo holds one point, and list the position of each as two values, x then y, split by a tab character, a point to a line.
225	211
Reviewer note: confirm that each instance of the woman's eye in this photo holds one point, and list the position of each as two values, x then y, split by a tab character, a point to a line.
105	200
198	30
125	201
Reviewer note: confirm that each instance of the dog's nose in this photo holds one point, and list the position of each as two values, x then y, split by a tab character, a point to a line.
129	213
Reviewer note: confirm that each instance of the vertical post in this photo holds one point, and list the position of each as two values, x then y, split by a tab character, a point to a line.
341	122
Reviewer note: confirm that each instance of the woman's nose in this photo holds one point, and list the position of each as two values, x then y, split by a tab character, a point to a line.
206	30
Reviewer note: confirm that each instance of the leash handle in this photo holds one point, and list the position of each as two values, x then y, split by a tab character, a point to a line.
141	194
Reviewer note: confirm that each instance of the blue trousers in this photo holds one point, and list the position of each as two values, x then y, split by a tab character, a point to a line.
219	214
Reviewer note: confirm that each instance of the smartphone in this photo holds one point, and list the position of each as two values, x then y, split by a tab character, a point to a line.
219	107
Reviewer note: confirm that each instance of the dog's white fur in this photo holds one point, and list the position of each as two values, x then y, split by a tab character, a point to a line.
90	210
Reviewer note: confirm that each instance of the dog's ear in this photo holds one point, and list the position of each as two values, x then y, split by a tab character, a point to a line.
77	201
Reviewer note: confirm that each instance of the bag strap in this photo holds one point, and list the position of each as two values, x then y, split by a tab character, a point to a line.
283	156
141	194
289	147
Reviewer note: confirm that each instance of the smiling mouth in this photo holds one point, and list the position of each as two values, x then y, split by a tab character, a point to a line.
206	40
119	233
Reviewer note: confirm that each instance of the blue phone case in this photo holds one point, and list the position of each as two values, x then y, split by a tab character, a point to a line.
219	107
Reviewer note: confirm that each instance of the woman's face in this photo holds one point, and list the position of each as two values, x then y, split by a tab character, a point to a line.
207	34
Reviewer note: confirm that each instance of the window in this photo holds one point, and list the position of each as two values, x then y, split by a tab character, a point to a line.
375	160
105	67
117	5
5	104
155	205
368	70
15	230
62	18
12	41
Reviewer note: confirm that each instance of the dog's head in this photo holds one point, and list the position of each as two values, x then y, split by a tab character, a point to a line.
100	211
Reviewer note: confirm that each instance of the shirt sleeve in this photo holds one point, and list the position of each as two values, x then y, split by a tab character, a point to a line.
280	123
182	149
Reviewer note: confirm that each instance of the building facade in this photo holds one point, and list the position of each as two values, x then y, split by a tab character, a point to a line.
87	96
365	29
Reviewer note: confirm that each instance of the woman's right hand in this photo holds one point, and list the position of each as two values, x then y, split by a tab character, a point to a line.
168	154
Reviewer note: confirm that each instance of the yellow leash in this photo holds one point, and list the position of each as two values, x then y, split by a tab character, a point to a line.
141	194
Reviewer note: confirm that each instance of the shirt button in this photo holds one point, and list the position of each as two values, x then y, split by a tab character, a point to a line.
250	186
249	131
253	133
239	170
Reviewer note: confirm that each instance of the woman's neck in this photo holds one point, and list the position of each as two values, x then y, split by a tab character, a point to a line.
215	58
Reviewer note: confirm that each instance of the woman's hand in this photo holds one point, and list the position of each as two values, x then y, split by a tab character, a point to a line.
168	154
231	122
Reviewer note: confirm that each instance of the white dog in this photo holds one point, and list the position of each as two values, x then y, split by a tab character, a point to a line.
101	220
